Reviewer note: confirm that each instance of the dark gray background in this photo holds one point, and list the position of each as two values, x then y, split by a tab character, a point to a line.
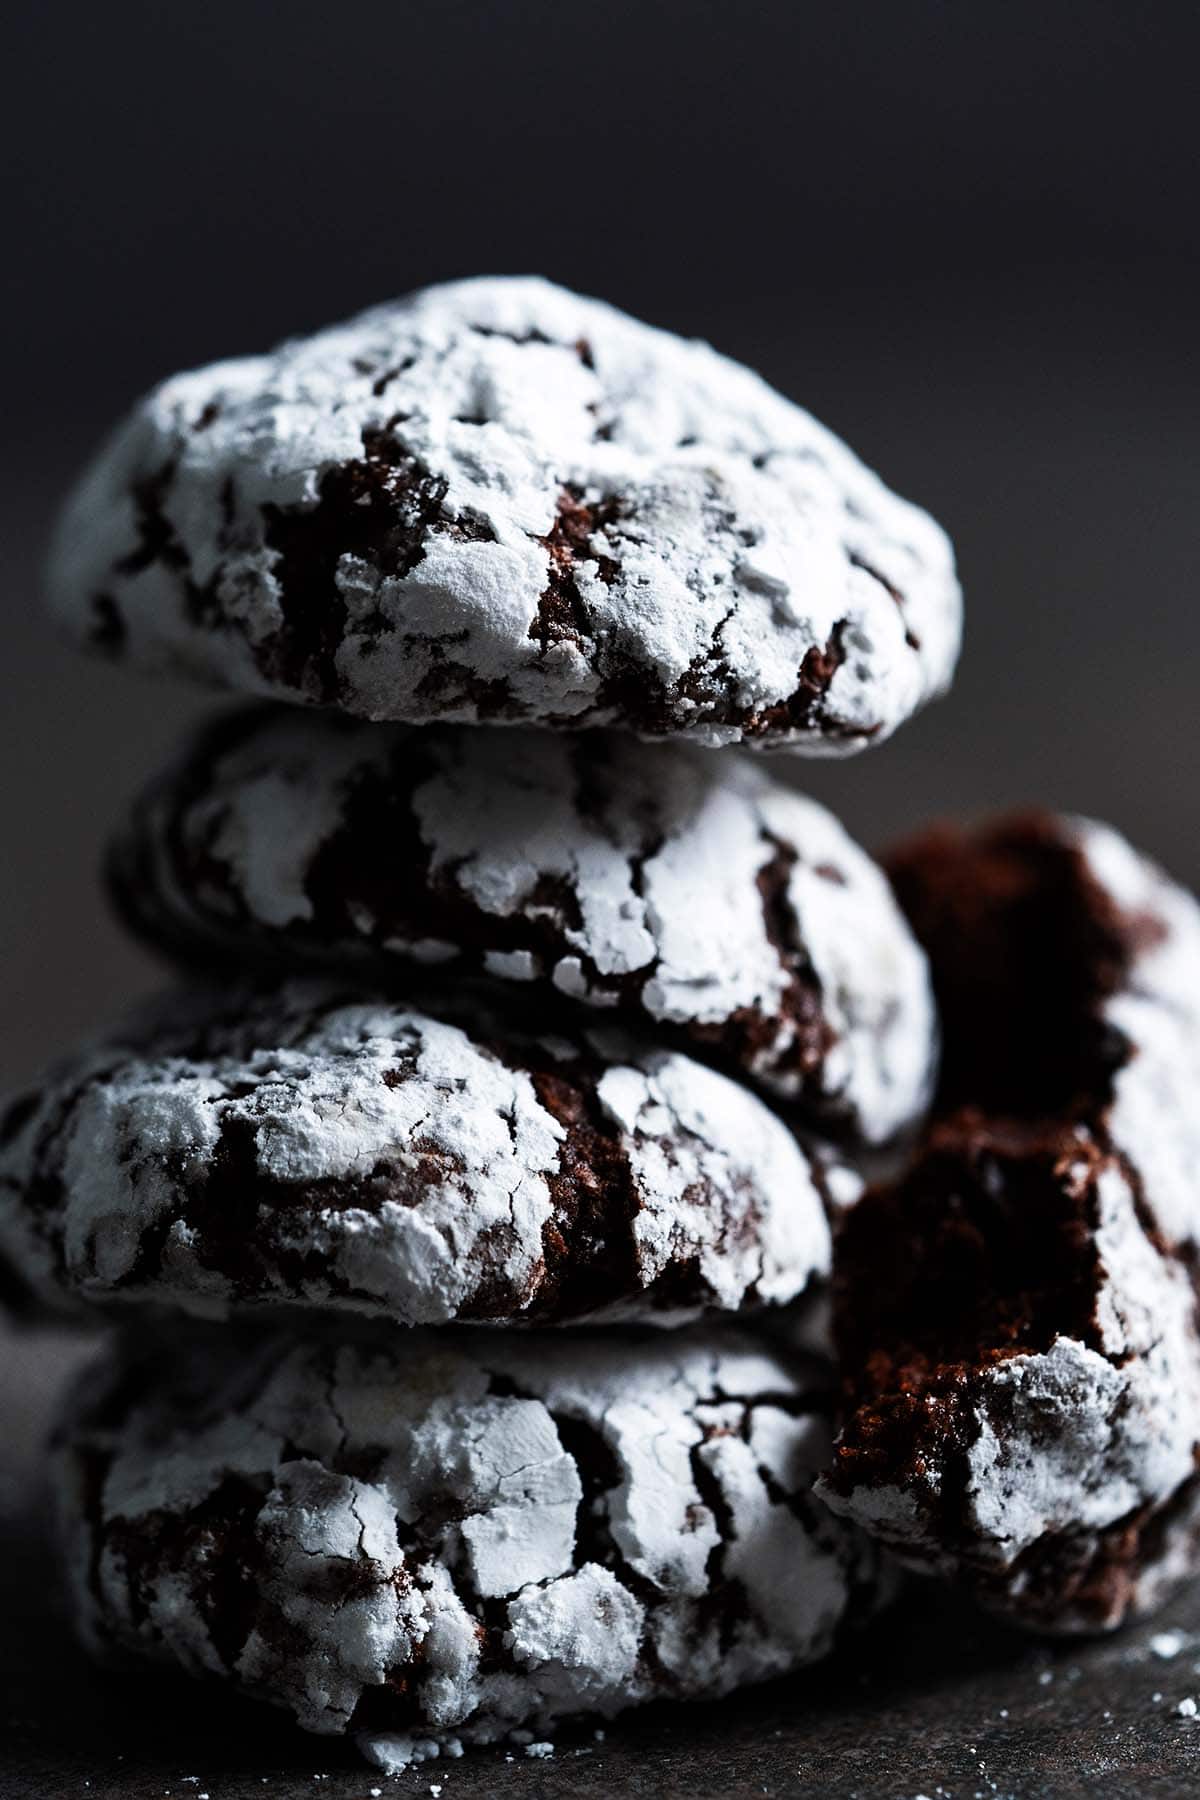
964	235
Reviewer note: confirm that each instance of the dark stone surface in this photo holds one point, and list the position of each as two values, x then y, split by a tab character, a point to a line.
936	1702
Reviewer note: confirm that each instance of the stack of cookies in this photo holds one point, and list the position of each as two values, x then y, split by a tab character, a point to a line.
507	1061
485	1033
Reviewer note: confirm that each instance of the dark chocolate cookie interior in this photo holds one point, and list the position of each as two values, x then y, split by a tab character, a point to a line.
985	1247
1025	947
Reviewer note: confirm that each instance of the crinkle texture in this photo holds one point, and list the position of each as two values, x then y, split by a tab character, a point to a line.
449	1538
1026	1443
319	1148
1017	1315
674	887
1150	1116
495	501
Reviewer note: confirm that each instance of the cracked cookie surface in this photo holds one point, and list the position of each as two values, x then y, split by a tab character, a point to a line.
454	1536
688	893
496	501
311	1147
1017	1315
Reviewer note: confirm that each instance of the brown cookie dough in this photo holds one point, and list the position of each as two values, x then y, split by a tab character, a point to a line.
1017	1315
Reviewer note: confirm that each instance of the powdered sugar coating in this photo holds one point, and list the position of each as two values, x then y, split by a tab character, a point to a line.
455	1538
352	1154
1152	1117
1037	1463
497	501
656	880
1024	1407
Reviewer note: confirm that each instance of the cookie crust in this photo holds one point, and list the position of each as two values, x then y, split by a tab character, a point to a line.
691	895
314	1147
460	1535
1017	1316
496	502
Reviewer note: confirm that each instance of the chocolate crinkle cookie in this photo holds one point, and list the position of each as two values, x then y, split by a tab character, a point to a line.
1017	1315
495	501
315	1148
686	892
439	1540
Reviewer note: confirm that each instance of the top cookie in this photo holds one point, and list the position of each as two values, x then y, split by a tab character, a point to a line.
496	501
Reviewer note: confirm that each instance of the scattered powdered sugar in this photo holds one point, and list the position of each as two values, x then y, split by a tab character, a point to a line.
497	500
396	1751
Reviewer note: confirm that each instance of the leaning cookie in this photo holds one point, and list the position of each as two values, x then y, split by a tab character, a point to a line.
657	881
347	1154
450	1537
1017	1315
497	501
